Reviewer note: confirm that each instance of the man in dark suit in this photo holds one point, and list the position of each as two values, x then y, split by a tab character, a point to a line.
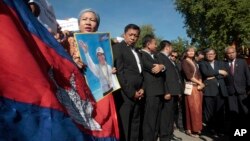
215	92
179	104
129	73
153	84
173	88
237	82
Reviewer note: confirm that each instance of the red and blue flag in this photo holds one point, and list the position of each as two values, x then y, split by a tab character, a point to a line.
43	95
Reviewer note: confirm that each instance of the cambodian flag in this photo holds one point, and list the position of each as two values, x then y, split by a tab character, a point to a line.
43	95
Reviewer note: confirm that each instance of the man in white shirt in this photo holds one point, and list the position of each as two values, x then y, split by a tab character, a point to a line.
129	72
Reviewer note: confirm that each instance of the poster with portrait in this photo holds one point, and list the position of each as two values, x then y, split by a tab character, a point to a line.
96	52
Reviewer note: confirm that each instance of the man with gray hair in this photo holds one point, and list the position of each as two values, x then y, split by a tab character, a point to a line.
238	84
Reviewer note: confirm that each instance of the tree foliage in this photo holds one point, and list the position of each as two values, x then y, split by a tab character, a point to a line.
180	44
146	29
216	23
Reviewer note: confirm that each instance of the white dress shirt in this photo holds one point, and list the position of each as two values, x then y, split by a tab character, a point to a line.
137	60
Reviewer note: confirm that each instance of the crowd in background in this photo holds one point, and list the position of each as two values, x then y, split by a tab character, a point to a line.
151	103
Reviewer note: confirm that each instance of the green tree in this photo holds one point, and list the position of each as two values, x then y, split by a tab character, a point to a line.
180	44
216	23
146	29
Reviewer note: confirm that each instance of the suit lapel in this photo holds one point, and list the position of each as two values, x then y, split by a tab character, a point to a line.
139	56
171	62
236	64
216	65
227	65
209	66
168	60
131	54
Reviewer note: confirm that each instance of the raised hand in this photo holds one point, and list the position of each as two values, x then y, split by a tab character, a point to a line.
83	46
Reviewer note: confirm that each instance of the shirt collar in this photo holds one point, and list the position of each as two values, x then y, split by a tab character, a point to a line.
166	54
232	61
147	51
212	62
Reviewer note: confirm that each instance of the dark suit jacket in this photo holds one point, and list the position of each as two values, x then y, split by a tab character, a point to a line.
240	81
173	83
152	83
216	85
128	73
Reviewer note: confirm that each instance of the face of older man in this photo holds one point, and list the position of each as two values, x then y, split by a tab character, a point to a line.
88	22
210	55
131	36
231	53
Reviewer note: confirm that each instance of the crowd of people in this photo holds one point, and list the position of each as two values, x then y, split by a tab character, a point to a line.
151	103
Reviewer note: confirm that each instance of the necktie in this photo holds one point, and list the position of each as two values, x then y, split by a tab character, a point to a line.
232	68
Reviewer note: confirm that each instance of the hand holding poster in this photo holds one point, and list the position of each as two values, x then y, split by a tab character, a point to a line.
95	51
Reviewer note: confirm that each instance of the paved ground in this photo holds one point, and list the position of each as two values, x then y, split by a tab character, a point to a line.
203	137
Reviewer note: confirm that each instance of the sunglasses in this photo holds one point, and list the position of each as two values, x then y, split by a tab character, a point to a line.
174	56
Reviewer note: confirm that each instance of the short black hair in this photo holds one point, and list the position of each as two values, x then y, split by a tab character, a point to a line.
175	51
131	26
164	43
200	52
146	39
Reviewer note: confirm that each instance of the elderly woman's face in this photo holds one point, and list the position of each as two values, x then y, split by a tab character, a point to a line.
88	22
